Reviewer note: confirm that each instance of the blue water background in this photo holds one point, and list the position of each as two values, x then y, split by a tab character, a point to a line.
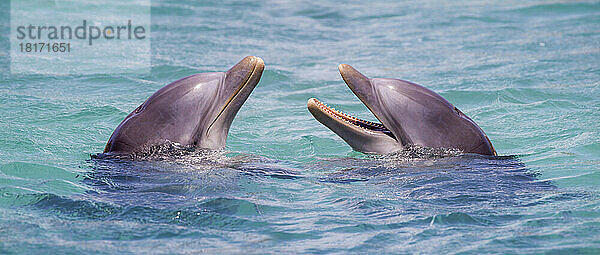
527	72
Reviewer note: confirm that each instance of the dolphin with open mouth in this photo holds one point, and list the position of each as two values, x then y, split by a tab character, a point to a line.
195	111
410	114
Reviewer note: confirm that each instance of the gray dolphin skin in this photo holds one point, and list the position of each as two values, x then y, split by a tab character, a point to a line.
195	111
410	114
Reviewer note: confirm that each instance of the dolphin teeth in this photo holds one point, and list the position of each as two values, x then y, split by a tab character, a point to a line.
365	125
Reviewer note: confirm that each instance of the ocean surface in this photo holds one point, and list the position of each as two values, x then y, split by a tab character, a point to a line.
528	72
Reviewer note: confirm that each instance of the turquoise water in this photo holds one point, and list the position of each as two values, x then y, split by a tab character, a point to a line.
527	73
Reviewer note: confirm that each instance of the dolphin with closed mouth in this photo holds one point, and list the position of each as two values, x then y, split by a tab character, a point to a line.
410	114
195	111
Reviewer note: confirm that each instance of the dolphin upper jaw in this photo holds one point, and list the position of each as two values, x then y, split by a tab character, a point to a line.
370	96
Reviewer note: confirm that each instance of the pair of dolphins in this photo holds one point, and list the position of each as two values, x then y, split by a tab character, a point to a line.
198	110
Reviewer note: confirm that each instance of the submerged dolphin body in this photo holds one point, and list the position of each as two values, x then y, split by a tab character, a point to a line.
410	114
194	111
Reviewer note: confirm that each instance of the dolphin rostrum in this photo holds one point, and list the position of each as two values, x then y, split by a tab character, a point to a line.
410	114
195	111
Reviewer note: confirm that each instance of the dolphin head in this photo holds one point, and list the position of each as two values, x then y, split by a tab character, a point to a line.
410	114
194	111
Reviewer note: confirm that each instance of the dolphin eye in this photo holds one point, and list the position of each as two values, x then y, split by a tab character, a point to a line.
139	109
457	111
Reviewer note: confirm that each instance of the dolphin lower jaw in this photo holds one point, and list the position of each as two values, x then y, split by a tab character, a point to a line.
361	135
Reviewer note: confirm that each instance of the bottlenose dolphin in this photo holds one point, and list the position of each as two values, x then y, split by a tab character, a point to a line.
195	111
410	114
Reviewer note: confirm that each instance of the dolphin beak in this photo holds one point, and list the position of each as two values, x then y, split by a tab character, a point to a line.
246	72
360	85
243	77
364	89
361	135
237	85
357	82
